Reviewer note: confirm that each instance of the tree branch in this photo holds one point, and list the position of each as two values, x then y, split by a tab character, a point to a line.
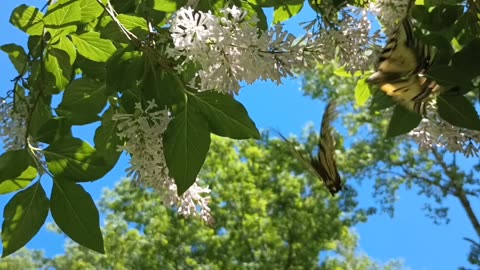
459	192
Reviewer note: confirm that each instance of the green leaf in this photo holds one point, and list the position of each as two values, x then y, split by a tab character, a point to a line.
402	121
106	138
381	101
23	217
92	69
254	11
264	3
89	10
92	47
341	72
62	18
362	92
18	57
466	61
40	115
287	11
73	159
168	5
226	116
82	101
15	171
13	163
76	214
57	63
19	182
35	46
161	86
52	130
186	143
137	25
28	19
124	70
458	111
67	46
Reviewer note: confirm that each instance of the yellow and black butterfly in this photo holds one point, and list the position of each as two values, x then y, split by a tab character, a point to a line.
400	69
323	166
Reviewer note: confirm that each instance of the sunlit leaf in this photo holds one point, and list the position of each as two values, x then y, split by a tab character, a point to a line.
28	19
17	55
92	47
284	12
23	217
89	10
67	46
62	17
19	182
362	92
57	63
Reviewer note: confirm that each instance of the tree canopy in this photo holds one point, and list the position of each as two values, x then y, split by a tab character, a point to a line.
269	215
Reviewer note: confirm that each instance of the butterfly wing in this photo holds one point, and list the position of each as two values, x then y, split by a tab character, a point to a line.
305	163
399	68
325	163
413	92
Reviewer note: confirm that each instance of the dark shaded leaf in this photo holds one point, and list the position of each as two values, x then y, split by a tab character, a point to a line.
106	138
226	116
74	159
186	143
53	130
82	101
124	70
402	121
13	163
381	101
76	214
458	111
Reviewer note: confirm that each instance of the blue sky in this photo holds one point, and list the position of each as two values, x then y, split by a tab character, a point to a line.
409	235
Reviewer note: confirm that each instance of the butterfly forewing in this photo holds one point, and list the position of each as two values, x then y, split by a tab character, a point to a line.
323	166
325	163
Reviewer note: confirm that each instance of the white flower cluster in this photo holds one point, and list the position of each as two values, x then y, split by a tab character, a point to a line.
13	125
350	40
143	133
230	50
389	12
436	132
